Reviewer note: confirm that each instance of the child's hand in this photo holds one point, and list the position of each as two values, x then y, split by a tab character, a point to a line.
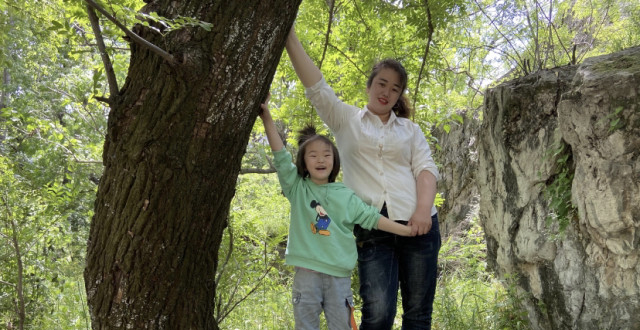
264	107
411	231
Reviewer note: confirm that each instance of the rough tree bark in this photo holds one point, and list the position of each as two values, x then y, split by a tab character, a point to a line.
172	154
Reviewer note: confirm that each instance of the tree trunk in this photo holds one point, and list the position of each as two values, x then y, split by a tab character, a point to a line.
175	140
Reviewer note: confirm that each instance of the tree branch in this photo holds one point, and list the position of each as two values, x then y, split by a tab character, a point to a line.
19	287
111	76
332	7
102	99
349	59
160	52
519	62
552	28
7	283
426	52
257	170
229	308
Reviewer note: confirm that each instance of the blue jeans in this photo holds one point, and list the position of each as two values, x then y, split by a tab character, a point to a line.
386	261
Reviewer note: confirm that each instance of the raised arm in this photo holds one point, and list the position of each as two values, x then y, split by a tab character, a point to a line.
393	227
270	127
306	70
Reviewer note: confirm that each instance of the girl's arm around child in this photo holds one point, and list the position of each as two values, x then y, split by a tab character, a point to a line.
393	227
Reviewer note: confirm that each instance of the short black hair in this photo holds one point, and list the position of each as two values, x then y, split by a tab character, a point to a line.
307	135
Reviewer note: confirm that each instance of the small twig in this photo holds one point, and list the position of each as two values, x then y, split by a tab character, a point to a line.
349	59
552	27
331	4
19	287
519	59
257	170
102	99
228	309
69	152
160	52
7	283
93	119
426	52
362	20
226	260
111	75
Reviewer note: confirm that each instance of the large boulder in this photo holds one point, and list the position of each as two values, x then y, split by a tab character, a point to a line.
558	179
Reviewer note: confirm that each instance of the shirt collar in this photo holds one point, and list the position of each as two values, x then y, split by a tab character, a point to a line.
392	118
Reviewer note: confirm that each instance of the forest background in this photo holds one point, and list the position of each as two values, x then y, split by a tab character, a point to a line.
53	125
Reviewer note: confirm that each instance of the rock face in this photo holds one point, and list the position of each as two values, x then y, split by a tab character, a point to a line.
458	159
558	178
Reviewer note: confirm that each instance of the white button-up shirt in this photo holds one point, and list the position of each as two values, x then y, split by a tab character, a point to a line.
380	161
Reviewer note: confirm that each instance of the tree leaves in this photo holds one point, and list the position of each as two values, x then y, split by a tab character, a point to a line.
52	127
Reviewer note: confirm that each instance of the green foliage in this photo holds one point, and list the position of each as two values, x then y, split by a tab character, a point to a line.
467	304
52	130
251	271
530	35
470	297
169	25
558	191
615	119
51	136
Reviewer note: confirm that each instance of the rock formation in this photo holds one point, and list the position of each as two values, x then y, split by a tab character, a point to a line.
558	184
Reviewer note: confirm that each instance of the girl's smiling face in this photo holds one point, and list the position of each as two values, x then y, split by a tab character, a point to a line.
383	93
318	159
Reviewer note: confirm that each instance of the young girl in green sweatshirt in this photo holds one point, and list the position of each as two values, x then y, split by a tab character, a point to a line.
321	245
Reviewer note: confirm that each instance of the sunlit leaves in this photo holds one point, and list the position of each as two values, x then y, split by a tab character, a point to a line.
167	25
52	132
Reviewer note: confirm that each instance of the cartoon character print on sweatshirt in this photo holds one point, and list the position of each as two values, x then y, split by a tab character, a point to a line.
322	220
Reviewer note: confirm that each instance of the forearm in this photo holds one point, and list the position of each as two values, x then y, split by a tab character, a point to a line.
393	227
272	133
306	70
426	184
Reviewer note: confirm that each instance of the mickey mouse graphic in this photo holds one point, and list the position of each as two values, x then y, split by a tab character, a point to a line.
322	220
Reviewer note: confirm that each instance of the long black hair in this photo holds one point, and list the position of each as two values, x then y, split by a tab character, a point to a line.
402	107
307	135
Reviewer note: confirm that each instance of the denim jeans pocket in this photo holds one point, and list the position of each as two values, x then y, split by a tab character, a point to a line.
366	251
295	298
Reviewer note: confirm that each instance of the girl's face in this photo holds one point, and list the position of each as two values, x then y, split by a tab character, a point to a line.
318	158
384	92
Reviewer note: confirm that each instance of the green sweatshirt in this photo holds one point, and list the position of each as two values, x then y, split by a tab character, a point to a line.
322	220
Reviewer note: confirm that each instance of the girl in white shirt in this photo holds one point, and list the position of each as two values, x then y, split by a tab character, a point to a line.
387	162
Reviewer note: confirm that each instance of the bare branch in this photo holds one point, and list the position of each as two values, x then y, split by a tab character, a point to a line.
552	28
258	282
111	76
7	283
102	99
160	52
349	59
223	267
426	52
519	62
257	170
362	20
19	287
67	150
332	7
